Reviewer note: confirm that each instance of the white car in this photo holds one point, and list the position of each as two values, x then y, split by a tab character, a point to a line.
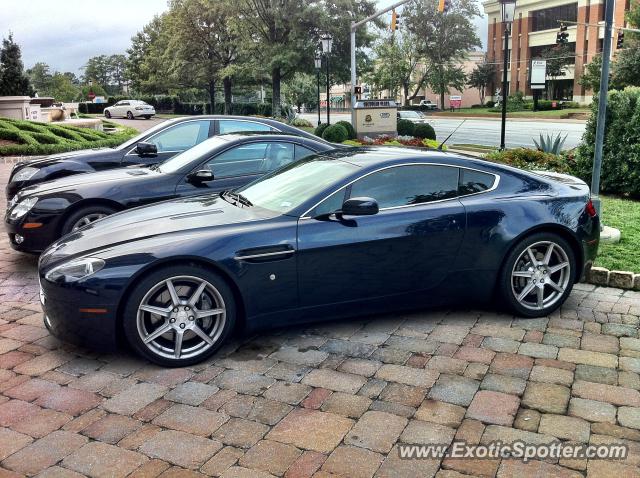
130	109
413	116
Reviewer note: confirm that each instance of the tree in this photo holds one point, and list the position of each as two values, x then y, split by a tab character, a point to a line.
444	40
301	90
13	79
558	58
481	77
590	78
98	69
40	77
117	71
62	88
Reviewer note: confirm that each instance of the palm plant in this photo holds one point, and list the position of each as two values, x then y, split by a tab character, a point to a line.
551	144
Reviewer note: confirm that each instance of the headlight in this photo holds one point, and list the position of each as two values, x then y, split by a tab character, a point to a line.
75	270
24	174
22	208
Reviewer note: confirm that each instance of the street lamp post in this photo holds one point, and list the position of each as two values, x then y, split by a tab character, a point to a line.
327	42
318	62
508	9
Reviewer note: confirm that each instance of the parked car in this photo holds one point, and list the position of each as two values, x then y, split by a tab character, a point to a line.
130	109
357	231
427	104
413	116
40	214
150	147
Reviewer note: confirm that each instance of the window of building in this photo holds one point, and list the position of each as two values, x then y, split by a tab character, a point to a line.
550	18
537	51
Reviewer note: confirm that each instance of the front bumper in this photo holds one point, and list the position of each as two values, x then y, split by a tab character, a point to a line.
32	240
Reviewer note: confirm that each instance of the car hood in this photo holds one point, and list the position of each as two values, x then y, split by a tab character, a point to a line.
185	216
78	180
74	155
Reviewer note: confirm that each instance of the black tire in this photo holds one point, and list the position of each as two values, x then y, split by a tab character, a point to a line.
107	114
148	286
130	115
511	287
87	211
147	117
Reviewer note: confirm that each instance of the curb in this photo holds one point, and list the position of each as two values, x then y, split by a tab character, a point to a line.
619	279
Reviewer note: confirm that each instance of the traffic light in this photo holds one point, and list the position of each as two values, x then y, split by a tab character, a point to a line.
620	41
395	21
562	36
444	5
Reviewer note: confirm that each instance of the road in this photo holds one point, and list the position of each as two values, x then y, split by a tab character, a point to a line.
487	131
473	131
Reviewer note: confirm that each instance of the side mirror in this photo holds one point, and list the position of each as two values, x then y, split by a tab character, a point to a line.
360	207
146	149
201	176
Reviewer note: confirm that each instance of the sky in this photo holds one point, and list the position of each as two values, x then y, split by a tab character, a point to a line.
65	33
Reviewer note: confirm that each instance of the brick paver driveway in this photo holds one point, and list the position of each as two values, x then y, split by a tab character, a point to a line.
324	400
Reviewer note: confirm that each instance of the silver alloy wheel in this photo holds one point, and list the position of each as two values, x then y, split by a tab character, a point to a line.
540	275
88	219
181	317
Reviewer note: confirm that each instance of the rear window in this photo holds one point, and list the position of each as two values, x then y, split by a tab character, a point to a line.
472	182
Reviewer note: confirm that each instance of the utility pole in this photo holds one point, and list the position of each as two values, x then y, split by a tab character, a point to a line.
602	105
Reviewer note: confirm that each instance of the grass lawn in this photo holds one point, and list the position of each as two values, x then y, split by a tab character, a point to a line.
24	138
480	112
622	214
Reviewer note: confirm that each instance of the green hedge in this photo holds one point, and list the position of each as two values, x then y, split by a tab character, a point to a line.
45	138
336	133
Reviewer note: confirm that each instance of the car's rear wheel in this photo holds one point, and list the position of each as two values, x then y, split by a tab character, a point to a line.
538	275
179	315
147	116
129	115
85	216
107	114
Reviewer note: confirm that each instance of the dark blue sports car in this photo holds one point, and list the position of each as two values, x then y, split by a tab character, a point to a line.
364	230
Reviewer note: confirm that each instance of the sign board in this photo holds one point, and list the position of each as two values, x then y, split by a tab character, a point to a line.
375	117
538	74
455	101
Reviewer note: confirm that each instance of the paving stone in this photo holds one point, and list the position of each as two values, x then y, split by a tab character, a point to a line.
475	354
440	412
393	408
510	468
503	383
476	371
195	420
493	407
508	435
629	364
410	344
316	398
629	417
270	456
630	343
268	412
561	340
498	344
241	433
287	371
134	398
527	419
617	431
629	380
56	472
179	448
394	466
45	452
546	397
512	364
407	375
42	363
241	472
493	330
403	394
445	364
588	358
454	389
306	465
11	441
607	469
333	380
418	432
606	393
591	373
69	400
353	462
347	405
599	343
348	348
243	382
620	330
311	358
376	431
31	389
540	373
452	334
191	393
566	428
101	460
357	366
222	460
592	410
538	350
41	423
311	430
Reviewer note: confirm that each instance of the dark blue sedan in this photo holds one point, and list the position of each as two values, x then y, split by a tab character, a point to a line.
345	232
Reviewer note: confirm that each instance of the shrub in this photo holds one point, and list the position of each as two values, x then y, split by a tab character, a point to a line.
621	149
424	131
336	133
320	129
490	104
405	127
351	131
531	159
301	123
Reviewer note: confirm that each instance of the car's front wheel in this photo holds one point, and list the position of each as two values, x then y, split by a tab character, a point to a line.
179	315
85	216
107	114
538	275
129	115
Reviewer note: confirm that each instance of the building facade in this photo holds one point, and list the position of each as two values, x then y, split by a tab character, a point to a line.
534	29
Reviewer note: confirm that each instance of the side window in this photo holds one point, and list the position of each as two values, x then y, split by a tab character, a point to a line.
472	182
235	126
124	103
181	136
302	152
407	185
332	204
254	158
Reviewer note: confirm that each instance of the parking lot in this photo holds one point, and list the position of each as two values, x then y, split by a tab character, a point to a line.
331	399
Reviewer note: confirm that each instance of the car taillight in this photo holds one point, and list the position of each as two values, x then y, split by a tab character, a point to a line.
591	209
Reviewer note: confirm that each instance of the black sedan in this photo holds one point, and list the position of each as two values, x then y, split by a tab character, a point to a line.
347	232
153	146
40	214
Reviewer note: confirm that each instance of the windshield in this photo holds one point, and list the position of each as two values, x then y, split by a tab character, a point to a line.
290	187
199	151
409	114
